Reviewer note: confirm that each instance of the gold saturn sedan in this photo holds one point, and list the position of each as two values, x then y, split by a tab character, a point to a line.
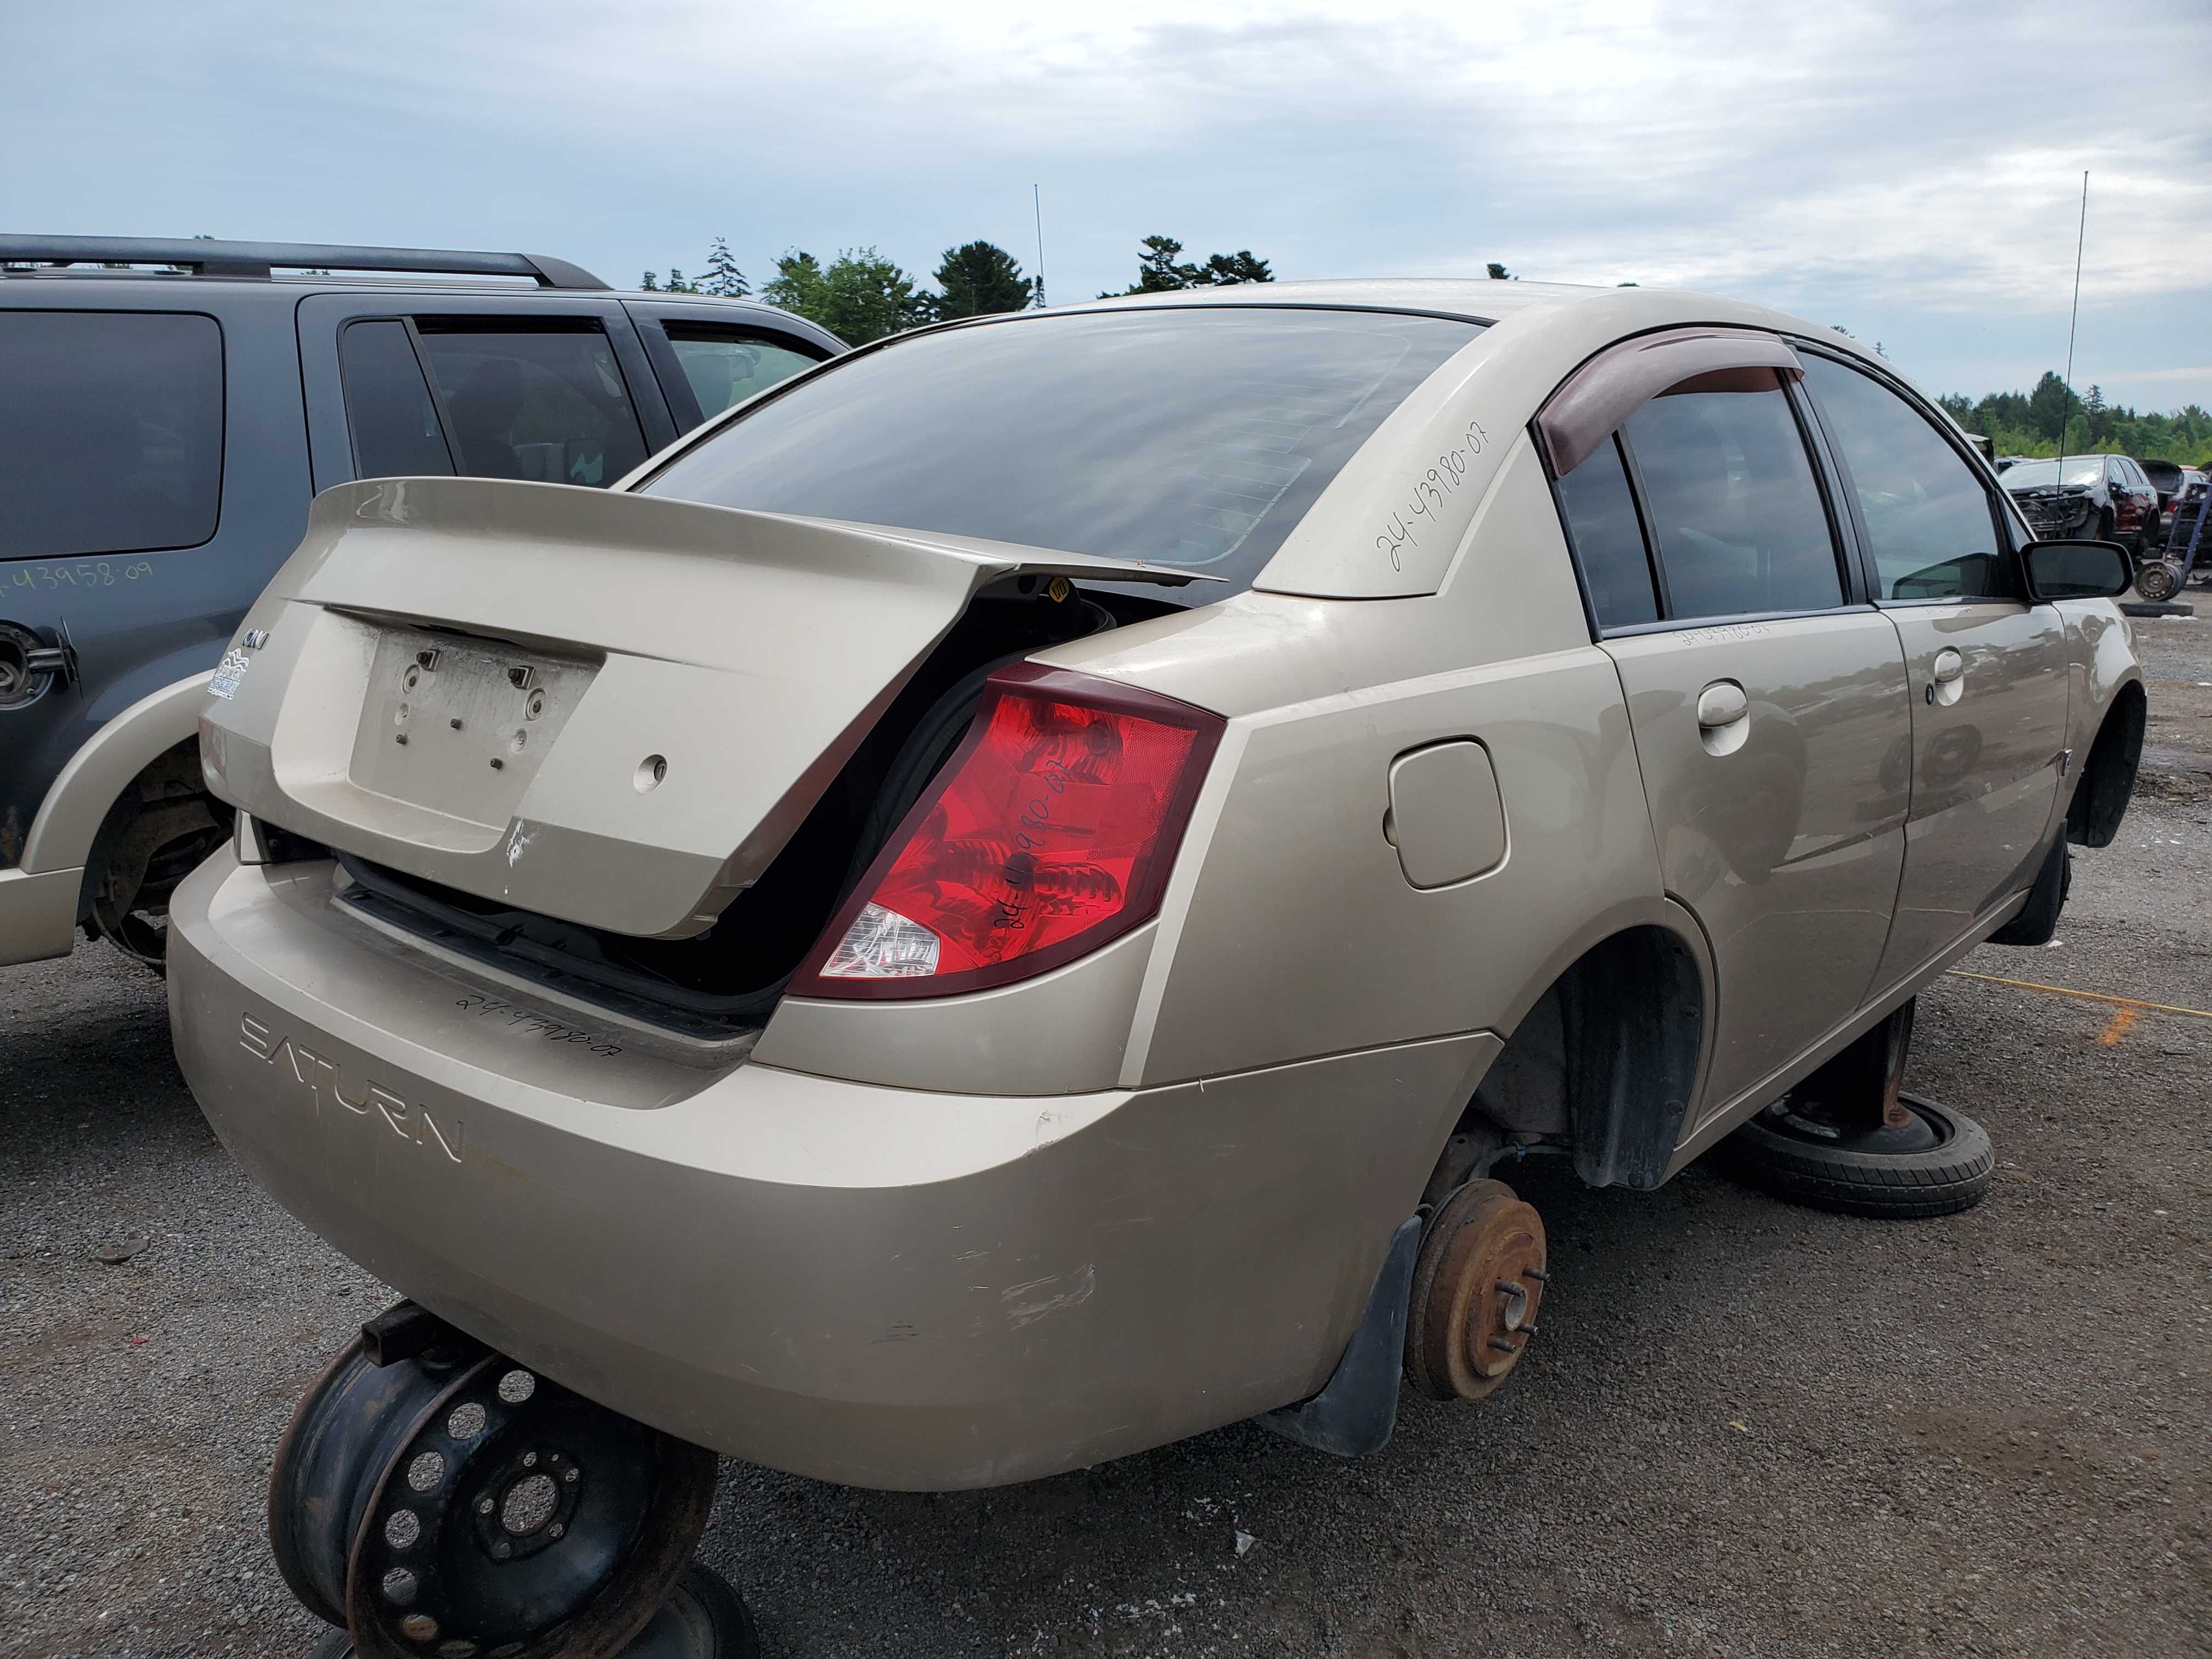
1007	900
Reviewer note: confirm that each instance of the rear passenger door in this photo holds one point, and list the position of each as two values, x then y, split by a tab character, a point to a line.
1988	669
399	383
1767	701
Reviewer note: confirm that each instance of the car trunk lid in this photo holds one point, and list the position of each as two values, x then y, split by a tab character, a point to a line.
610	709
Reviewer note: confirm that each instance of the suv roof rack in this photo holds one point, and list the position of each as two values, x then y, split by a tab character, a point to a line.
204	256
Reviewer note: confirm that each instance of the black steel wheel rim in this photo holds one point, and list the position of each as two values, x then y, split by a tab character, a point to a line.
1927	1129
517	1520
343	1432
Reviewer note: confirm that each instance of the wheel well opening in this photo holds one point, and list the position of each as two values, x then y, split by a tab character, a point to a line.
2108	776
154	835
1602	1066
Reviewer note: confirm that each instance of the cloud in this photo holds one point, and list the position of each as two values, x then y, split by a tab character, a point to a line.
1912	169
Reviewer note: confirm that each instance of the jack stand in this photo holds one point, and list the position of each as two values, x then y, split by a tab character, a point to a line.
1850	1137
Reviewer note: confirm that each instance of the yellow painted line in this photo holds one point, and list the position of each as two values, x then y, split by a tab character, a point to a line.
2135	1004
2123	1021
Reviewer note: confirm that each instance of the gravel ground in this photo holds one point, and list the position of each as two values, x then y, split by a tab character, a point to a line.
1746	1430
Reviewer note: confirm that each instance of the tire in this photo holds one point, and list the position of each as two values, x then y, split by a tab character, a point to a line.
2037	922
1952	1176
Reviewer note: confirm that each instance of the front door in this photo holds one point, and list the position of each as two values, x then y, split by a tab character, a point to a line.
1988	670
1767	702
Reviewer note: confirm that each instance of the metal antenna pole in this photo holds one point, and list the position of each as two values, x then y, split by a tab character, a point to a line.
2066	409
1037	200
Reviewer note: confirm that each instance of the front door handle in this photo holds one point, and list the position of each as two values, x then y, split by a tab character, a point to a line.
1949	678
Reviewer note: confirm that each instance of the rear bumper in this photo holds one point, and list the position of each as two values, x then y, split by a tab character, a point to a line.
877	1286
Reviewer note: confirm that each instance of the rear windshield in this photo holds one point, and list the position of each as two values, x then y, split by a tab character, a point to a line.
1195	438
110	431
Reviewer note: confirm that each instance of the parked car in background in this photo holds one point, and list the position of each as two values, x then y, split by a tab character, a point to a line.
2103	498
2175	483
2004	461
165	426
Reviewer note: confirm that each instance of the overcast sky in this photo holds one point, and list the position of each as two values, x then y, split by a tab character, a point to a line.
1911	171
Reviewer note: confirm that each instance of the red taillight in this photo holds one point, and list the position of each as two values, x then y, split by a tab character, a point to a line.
1049	832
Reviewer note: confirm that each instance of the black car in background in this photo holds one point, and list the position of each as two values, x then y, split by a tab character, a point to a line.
169	410
2102	497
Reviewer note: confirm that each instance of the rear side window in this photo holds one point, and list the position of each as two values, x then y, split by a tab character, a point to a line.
1927	517
1608	542
1738	518
110	431
542	401
724	367
396	434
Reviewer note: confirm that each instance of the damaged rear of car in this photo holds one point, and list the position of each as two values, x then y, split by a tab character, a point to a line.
695	947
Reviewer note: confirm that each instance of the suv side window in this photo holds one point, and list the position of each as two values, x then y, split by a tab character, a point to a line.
1928	521
110	431
389	409
506	397
1732	500
726	366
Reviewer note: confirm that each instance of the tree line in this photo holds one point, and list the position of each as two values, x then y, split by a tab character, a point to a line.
860	296
2050	417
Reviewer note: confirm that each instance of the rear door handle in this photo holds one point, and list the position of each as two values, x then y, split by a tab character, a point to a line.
1722	703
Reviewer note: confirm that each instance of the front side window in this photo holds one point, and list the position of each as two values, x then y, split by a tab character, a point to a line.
1732	504
723	367
543	402
110	431
1194	437
1926	514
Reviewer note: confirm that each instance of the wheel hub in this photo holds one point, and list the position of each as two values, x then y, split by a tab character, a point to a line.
1477	1289
1904	1131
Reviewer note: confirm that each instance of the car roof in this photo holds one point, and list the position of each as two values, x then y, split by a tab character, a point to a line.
1479	299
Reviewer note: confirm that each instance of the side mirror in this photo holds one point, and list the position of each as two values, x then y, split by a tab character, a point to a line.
2079	570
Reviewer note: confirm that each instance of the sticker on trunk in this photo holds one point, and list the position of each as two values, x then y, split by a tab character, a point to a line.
227	673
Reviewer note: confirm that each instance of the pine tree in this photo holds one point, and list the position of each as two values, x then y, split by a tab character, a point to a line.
1160	270
650	282
723	276
980	279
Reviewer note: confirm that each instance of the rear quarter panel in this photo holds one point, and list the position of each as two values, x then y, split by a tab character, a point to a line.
1289	928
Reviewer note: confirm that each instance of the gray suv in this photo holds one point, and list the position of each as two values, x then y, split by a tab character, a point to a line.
172	408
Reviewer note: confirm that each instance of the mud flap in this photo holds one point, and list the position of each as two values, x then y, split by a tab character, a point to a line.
1354	1414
